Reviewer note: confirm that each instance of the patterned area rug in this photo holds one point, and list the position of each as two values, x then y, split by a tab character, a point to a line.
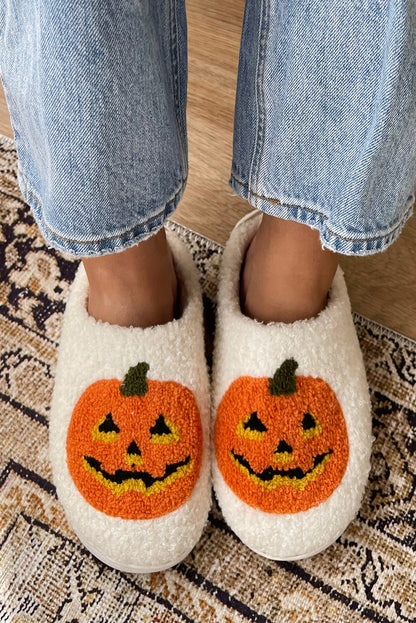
46	575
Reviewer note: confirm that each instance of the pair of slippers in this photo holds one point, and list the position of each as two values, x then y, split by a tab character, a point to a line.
131	424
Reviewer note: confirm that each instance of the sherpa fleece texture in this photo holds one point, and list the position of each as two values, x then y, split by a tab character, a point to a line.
91	350
325	346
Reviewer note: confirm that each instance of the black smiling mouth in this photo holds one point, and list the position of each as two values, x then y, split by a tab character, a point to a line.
267	475
121	476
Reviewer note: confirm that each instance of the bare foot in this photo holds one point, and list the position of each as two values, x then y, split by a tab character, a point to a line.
136	287
286	274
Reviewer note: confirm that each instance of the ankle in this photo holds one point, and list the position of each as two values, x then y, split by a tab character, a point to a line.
286	275
144	307
136	287
289	300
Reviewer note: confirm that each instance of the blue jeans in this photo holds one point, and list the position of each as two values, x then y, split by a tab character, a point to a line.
324	131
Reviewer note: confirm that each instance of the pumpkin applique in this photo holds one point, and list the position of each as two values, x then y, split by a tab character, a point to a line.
281	443
134	447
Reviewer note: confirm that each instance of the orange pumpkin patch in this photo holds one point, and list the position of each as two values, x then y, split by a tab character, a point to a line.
134	447
281	443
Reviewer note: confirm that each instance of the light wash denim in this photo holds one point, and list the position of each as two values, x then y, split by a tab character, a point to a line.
325	116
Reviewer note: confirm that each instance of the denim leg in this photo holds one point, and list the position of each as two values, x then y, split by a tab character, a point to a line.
325	117
96	91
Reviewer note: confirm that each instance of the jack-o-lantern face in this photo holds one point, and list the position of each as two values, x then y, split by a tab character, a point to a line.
134	447
281	443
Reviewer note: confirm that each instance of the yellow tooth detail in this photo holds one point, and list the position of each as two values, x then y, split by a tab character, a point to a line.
283	457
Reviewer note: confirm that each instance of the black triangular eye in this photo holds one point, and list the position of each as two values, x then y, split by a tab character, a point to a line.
254	423
160	427
108	426
308	421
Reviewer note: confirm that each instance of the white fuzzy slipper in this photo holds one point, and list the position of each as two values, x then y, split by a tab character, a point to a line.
129	429
292	415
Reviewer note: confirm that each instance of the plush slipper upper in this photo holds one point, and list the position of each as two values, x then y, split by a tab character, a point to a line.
129	432
292	418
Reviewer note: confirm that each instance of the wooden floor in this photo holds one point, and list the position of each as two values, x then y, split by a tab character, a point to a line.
382	286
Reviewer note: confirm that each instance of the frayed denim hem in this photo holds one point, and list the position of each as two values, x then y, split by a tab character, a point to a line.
366	245
73	249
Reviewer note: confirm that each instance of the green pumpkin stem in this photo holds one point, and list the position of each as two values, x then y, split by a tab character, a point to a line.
284	379
135	381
